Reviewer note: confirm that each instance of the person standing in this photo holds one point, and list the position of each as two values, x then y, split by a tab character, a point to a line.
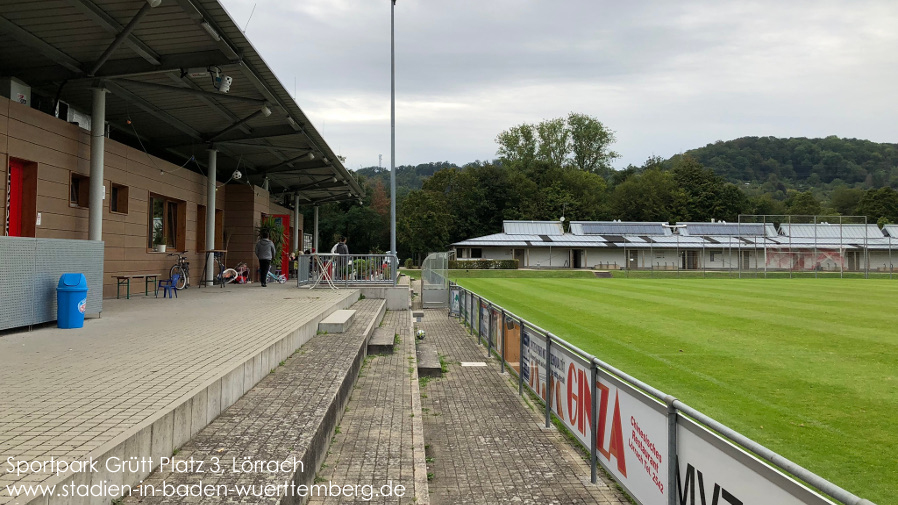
343	250
265	252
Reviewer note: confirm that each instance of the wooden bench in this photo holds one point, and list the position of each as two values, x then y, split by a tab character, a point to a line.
125	280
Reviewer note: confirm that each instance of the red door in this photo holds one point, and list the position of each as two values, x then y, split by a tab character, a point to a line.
15	193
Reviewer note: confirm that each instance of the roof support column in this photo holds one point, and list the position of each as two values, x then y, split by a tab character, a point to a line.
315	241
211	177
297	243
97	150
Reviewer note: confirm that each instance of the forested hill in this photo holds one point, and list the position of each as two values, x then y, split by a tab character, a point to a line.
408	177
802	160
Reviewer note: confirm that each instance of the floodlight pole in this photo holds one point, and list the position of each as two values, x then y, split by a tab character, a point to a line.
395	259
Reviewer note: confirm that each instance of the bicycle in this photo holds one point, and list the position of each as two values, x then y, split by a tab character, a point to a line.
182	267
279	278
225	275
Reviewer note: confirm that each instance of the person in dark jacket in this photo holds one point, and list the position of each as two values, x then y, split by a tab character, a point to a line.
265	252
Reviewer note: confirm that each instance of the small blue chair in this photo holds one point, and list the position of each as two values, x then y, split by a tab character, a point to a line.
168	286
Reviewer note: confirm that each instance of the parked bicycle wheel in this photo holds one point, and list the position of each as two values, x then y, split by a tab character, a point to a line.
229	276
282	279
182	281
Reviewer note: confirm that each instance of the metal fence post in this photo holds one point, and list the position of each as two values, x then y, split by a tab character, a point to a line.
671	450
489	331
502	350
521	359
548	379
479	320
593	457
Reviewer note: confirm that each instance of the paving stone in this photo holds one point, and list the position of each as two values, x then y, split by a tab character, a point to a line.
486	445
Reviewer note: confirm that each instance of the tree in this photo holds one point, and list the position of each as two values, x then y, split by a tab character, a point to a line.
650	196
590	140
879	203
423	223
578	141
803	204
845	200
553	142
518	144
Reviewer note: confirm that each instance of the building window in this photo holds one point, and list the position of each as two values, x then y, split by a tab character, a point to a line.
118	201
476	252
715	255
79	190
167	221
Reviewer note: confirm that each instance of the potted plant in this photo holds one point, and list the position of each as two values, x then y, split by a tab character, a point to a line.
159	238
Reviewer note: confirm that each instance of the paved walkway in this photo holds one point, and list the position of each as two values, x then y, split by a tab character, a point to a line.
289	416
485	444
71	393
380	434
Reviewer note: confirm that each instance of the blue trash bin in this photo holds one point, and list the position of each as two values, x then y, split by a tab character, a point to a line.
71	301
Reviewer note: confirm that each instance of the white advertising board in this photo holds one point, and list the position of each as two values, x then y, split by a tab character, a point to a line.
631	438
454	300
713	471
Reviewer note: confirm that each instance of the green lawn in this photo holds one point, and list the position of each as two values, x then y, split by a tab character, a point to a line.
809	368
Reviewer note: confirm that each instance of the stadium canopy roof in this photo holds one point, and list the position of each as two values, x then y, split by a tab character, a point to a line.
159	61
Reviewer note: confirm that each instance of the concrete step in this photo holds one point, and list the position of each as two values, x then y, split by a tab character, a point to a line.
383	340
336	322
428	361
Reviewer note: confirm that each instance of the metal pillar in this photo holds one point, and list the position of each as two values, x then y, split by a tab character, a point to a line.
672	460
315	241
297	244
393	134
97	151
549	384
211	178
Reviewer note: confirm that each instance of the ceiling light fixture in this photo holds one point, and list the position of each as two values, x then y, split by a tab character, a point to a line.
211	31
266	111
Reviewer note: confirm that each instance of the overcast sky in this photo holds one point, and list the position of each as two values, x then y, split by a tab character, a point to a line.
665	76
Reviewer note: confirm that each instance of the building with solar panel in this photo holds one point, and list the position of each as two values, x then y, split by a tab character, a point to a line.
708	246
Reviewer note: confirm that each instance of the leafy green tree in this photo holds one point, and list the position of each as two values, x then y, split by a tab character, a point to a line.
553	142
518	144
706	195
590	142
650	196
578	141
845	200
803	204
879	203
423	223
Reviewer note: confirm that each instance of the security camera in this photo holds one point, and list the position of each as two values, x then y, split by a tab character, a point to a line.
236	175
225	85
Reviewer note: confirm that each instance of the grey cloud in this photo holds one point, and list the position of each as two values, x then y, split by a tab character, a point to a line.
667	76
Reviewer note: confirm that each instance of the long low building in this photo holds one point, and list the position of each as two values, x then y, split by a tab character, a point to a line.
616	245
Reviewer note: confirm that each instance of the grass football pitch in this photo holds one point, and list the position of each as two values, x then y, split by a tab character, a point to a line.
808	368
